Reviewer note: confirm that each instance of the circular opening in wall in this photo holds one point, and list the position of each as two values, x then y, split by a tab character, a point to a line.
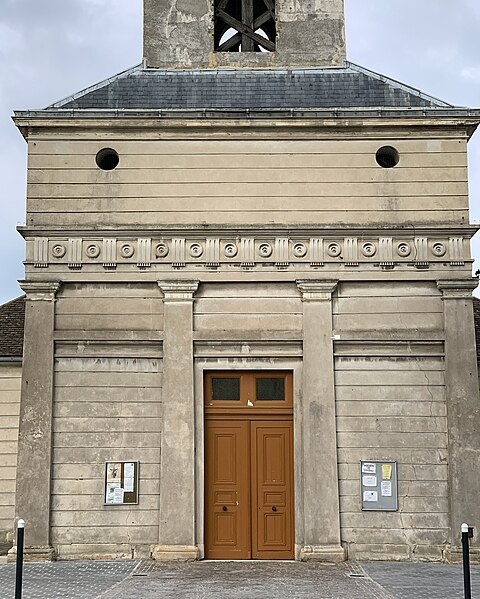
387	157
107	159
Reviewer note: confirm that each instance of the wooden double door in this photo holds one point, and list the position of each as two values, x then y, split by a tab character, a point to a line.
249	470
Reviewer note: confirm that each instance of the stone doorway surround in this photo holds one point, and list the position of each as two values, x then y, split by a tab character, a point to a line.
316	510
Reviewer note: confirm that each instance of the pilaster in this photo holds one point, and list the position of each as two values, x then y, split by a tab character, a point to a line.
463	406
177	461
320	467
34	460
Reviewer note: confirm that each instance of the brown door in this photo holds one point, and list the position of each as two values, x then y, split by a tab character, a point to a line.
271	447
227	486
249	466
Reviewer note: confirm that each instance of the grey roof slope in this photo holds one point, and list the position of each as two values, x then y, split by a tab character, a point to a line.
349	86
12	322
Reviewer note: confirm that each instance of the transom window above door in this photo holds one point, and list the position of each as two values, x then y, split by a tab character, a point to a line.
245	25
247	390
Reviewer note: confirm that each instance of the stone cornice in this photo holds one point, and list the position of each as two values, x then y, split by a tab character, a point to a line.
40	290
260	231
178	291
316	290
265	118
457	289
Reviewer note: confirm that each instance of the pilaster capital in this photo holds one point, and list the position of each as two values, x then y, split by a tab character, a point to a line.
457	289
178	290
40	290
316	290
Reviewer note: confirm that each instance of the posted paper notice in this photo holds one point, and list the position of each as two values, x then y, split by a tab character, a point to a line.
387	471
386	488
370	496
110	492
369	481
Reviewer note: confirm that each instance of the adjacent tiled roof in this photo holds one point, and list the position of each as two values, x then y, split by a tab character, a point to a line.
12	320
349	86
476	314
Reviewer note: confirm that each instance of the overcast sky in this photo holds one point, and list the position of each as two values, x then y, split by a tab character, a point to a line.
52	48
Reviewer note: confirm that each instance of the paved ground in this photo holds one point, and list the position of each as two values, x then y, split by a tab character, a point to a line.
237	580
423	581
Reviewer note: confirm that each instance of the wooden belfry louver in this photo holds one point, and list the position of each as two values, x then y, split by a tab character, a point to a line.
246	17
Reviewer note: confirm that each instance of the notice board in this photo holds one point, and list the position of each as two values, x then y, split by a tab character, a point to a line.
378	483
121	482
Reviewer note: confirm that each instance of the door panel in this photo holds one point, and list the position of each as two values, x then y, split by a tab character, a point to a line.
227	490
272	496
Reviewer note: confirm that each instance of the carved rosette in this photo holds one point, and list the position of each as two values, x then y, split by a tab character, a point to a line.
249	252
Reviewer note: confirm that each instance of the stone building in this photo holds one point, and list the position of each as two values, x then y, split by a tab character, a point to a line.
247	271
12	315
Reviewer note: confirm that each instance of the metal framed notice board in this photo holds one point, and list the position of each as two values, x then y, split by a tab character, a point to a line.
379	486
121	483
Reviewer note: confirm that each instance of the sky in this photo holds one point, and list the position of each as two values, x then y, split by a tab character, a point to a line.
50	49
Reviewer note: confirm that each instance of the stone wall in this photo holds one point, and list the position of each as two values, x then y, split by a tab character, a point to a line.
107	407
269	177
391	405
10	386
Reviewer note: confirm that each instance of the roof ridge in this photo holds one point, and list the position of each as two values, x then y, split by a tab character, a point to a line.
405	87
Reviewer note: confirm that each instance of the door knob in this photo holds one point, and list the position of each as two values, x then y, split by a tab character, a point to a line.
274	509
224	508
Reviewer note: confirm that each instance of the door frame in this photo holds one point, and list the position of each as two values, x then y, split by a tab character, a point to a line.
293	365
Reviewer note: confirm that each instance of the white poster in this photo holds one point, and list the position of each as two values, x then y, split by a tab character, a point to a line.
128	485
128	470
369	468
369	481
110	492
118	495
386	488
370	496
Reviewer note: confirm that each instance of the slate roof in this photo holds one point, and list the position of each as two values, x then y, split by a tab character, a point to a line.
476	315
12	320
349	86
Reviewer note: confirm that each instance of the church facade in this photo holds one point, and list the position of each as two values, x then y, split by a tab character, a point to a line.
249	322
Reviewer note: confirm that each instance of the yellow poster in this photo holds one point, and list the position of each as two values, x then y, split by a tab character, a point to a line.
386	471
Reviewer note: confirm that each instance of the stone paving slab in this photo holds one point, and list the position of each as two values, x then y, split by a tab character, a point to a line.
237	580
248	580
423	581
65	580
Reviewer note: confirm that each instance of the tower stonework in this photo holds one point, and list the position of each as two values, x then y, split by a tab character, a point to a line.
180	33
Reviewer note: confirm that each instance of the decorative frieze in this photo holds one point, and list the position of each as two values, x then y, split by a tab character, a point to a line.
40	252
421	252
212	253
250	252
109	253
281	252
457	257
247	252
351	251
386	251
317	257
179	253
74	253
144	253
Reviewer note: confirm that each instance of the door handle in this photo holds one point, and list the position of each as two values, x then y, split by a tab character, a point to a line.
274	509
224	508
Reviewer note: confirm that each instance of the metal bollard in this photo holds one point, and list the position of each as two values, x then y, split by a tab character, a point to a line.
466	562
19	570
